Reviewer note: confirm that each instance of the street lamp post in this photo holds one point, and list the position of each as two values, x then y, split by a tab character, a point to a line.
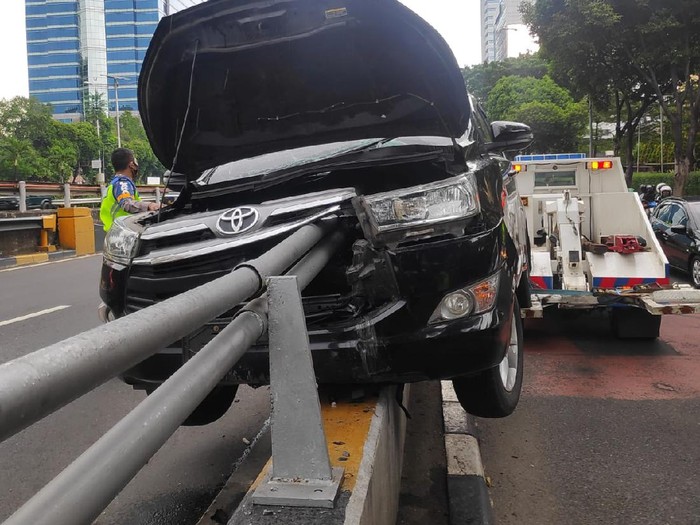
116	101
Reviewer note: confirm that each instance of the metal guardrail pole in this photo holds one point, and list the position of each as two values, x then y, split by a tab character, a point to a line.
79	493
22	196
66	196
39	383
301	469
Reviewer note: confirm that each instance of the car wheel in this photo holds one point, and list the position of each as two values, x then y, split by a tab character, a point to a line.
46	205
695	271
215	405
634	323
495	392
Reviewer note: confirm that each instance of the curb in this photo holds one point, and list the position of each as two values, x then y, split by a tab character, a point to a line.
467	491
35	258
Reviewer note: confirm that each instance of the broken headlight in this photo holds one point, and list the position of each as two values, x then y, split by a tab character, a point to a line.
419	210
120	243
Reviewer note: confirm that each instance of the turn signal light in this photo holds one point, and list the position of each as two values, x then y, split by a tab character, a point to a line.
601	165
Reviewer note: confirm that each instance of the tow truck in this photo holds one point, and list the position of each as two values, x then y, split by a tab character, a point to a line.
592	247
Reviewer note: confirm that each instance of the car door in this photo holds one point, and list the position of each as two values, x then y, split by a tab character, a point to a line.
678	242
661	227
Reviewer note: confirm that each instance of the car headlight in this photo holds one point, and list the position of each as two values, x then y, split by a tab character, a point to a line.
420	206
120	243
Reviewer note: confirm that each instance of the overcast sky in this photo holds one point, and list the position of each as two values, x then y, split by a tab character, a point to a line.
456	20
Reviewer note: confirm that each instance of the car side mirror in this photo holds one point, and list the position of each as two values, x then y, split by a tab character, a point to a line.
680	228
510	136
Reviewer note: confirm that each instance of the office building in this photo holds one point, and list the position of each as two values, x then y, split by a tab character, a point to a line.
503	33
81	47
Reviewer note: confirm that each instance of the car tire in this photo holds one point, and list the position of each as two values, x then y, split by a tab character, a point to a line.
46	205
215	405
634	323
495	392
695	271
212	407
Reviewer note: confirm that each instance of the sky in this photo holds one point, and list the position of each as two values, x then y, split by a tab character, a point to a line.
456	20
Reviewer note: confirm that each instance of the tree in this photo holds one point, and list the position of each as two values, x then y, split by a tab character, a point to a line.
63	158
95	107
482	78
84	137
555	118
14	156
643	51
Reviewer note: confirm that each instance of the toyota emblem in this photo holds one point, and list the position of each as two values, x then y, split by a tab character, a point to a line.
237	220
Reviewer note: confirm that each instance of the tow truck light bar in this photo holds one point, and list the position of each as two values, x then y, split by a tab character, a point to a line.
601	165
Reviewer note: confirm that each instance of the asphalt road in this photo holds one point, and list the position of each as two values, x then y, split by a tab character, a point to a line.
606	432
179	481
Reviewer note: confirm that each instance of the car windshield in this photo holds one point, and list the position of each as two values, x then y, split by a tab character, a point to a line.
694	210
295	158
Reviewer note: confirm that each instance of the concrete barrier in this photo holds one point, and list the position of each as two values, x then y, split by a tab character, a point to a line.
365	438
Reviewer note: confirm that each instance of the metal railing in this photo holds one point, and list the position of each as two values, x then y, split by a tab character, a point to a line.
21	223
22	189
39	383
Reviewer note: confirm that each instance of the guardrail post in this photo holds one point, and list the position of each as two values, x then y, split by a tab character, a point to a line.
157	194
301	470
22	196
66	196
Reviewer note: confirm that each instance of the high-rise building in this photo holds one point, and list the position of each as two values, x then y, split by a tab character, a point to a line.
78	48
491	20
500	19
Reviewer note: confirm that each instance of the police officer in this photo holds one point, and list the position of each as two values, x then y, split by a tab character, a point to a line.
664	192
122	198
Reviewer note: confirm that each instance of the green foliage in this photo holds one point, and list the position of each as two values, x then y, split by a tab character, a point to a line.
650	153
634	52
555	118
482	78
34	146
95	106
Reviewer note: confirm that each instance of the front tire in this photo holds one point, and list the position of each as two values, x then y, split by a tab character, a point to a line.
695	271
212	407
495	392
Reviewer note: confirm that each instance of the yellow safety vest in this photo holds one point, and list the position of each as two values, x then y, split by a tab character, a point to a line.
109	209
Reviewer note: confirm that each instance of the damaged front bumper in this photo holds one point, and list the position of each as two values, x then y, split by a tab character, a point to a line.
368	350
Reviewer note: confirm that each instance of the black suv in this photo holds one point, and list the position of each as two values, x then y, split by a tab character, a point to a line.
280	113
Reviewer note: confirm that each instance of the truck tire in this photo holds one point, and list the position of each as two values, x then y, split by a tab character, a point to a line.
634	323
495	392
212	407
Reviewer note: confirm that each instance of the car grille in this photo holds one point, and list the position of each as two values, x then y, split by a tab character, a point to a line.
149	284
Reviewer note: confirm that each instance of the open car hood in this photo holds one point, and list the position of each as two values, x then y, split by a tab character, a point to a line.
231	79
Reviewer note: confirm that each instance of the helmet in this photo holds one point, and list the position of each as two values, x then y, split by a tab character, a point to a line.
666	190
658	187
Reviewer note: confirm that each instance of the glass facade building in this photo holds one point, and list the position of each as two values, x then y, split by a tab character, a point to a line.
497	18
81	47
